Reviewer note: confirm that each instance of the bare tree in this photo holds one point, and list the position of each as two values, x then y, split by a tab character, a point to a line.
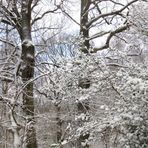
96	20
22	16
18	14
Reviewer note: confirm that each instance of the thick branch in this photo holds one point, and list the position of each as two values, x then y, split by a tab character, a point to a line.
6	22
14	8
97	35
111	34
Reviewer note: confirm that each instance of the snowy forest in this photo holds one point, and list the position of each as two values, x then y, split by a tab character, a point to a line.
73	73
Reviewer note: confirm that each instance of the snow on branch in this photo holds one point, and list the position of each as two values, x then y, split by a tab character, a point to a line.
111	34
110	13
27	43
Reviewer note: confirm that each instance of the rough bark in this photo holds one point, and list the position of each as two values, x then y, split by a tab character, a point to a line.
28	100
27	73
84	30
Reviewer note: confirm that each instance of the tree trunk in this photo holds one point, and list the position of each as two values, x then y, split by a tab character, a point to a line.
58	123
84	83
27	69
84	30
27	74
